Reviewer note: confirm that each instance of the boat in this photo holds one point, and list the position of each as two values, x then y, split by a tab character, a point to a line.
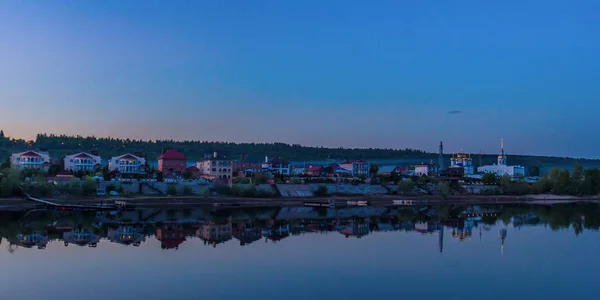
403	202
357	203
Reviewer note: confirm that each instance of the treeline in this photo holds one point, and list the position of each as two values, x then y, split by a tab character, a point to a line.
14	182
578	182
197	149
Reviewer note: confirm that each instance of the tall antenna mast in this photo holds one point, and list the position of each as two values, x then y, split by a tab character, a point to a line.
480	150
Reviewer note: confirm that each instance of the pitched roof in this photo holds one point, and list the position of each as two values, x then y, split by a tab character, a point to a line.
128	156
277	161
30	154
83	155
172	154
193	169
386	169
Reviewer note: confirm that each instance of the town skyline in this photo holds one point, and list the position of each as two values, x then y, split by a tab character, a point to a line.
311	73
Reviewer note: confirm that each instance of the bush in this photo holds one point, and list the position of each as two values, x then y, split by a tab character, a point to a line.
321	191
111	187
187	190
89	186
171	190
405	187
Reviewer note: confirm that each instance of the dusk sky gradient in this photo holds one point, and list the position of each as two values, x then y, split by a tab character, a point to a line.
392	74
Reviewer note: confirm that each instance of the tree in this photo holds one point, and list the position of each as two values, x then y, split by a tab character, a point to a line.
373	169
54	169
187	175
171	190
577	171
561	184
534	170
489	179
187	190
406	186
321	191
5	164
444	189
89	186
1	134
9	182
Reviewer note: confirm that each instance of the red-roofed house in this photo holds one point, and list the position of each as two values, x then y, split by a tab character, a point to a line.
313	171
82	162
172	162
357	167
170	235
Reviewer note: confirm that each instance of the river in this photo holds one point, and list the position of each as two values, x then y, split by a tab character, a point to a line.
449	252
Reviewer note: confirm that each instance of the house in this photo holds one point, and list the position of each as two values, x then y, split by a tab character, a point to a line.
170	235
215	168
194	171
81	237
127	164
30	160
246	166
171	162
83	162
277	165
425	169
356	167
246	233
314	171
334	170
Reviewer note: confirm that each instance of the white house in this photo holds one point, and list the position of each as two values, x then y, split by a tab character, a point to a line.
277	165
501	168
30	160
356	167
127	164
215	168
82	162
424	169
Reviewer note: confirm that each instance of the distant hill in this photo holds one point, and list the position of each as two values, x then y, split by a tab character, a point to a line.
60	145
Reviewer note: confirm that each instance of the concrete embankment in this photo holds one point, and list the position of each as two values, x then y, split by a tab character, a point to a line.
186	201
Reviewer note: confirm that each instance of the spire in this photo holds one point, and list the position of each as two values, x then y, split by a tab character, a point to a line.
502	146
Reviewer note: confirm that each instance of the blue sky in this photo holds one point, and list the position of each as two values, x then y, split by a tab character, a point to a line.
330	73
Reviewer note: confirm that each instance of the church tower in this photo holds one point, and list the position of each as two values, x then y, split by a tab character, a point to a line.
502	157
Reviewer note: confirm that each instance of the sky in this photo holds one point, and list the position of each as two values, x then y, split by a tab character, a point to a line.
391	74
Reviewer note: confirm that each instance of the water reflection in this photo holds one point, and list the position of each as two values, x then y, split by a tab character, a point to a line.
214	226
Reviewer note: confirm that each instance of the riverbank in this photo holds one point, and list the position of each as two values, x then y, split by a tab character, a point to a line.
383	200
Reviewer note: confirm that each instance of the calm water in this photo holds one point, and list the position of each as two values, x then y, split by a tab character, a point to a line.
303	253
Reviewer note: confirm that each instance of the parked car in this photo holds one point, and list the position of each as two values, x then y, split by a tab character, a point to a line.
114	193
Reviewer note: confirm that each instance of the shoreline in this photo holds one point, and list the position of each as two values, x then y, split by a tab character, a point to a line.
222	201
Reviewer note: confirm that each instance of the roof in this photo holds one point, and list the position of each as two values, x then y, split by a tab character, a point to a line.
358	161
386	169
313	168
83	155
172	154
193	169
277	161
30	153
128	156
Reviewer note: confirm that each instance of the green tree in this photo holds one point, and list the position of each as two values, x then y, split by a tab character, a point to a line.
5	164
171	190
10	181
577	172
444	189
89	186
405	187
562	182
187	175
321	191
54	169
534	170
187	190
489	179
74	187
373	169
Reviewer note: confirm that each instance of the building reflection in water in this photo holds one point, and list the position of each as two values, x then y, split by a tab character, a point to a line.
213	233
31	240
126	235
170	235
81	237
